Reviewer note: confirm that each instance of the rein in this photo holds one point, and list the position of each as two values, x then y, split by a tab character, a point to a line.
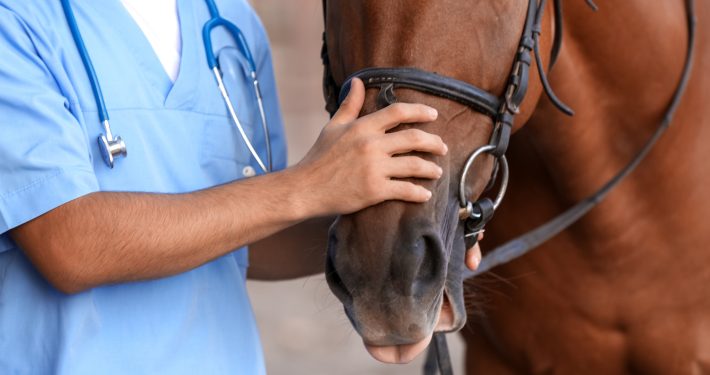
525	243
475	215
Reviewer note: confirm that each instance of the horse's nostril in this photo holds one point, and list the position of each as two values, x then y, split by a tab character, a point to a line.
335	282
419	266
430	267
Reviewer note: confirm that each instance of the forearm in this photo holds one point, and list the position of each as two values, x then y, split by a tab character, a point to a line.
107	238
297	251
133	236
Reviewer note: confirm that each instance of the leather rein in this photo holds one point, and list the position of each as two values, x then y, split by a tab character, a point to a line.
503	110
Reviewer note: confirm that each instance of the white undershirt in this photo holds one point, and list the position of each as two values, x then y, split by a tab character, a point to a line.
159	21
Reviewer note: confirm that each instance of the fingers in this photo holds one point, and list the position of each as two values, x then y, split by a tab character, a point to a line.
406	191
400	113
409	140
474	256
359	149
352	105
413	167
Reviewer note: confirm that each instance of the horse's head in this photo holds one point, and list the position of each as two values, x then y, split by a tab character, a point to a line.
397	267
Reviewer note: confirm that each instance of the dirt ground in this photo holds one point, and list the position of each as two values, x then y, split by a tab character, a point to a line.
303	328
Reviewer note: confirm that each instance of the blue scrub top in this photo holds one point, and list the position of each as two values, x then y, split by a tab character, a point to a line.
179	139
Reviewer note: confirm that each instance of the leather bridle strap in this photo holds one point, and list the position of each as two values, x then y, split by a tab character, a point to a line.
438	358
434	84
429	83
503	112
522	245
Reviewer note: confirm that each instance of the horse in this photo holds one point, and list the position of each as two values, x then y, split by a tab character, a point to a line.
621	288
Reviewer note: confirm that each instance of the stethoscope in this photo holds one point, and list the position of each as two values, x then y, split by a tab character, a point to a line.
112	147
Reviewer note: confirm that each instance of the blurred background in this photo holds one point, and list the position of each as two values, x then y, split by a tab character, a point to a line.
303	327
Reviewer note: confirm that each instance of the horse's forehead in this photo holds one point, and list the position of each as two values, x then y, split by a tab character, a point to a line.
438	17
431	35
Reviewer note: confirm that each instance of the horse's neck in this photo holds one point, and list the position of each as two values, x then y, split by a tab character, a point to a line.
619	69
639	260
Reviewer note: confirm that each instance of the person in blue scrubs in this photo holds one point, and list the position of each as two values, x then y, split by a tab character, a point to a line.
141	269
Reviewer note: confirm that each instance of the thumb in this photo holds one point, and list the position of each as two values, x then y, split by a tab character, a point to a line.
352	105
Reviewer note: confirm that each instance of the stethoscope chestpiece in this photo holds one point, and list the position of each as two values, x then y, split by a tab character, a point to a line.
111	149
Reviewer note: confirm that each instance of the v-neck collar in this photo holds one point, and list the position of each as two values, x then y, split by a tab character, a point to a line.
184	88
180	93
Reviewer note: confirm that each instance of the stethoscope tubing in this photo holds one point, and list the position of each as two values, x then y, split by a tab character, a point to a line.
217	21
112	147
86	60
235	118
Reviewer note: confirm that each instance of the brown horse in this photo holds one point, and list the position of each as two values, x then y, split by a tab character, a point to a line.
624	290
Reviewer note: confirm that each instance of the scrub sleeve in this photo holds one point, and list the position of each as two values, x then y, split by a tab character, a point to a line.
44	158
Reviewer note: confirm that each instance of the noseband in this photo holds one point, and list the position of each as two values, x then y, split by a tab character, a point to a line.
502	110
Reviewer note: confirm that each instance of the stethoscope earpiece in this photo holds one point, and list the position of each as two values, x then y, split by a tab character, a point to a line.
111	149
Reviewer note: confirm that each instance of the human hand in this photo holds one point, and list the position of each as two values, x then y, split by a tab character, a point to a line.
354	163
473	255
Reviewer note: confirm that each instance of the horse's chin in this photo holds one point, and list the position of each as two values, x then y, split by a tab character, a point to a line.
401	354
398	354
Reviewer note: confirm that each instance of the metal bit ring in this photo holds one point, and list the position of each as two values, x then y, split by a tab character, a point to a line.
505	174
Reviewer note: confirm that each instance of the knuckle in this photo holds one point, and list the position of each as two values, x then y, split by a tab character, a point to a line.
414	135
418	166
421	137
356	127
399	110
374	173
343	109
429	169
355	133
409	191
348	101
396	191
366	146
424	139
371	185
362	128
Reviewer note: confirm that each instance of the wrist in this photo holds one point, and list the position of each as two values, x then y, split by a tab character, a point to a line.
300	197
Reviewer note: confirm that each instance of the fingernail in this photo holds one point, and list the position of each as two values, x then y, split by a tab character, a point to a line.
441	172
428	195
446	148
472	261
433	113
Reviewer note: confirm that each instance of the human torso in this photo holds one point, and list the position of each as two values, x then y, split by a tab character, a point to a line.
179	140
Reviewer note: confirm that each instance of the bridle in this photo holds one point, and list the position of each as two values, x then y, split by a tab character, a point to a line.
502	110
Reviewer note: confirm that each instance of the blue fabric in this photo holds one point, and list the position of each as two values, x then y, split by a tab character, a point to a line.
179	139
